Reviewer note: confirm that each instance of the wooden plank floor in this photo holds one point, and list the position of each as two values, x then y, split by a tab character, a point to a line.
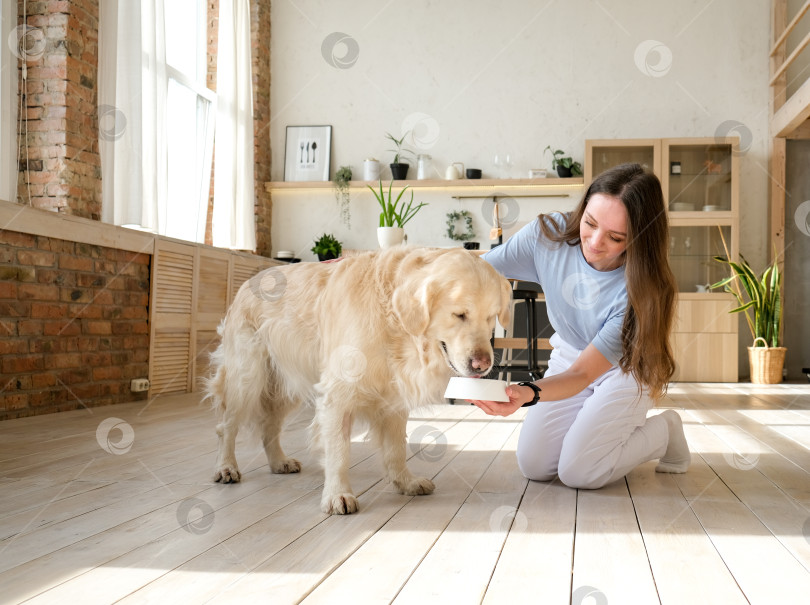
116	504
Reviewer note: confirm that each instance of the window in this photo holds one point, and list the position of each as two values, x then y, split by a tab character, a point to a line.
190	117
157	117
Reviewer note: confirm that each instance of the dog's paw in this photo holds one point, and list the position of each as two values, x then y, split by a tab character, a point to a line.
227	474
415	486
339	504
283	467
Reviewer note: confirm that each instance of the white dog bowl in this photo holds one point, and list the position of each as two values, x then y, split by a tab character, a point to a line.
476	388
285	254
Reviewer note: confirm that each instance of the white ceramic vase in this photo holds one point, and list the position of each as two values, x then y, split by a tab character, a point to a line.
371	170
390	236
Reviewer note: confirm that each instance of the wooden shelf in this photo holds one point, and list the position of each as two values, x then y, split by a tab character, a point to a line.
458	188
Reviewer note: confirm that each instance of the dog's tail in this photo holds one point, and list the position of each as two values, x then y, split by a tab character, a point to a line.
239	374
213	386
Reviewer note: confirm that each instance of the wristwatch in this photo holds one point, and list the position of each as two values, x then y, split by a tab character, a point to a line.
536	390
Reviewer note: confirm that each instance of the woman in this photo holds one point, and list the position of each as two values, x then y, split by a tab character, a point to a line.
610	296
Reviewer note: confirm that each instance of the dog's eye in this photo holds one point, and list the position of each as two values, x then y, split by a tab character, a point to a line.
461	316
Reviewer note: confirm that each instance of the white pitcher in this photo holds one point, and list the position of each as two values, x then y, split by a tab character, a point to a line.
452	173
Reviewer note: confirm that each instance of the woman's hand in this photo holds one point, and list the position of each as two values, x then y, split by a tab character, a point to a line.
517	394
589	366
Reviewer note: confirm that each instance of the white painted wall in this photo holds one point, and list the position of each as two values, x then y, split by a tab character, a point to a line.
516	76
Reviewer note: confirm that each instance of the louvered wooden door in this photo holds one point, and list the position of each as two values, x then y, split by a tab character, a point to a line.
173	294
192	288
213	299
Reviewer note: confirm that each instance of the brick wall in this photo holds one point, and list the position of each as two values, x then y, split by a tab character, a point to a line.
260	40
60	167
73	324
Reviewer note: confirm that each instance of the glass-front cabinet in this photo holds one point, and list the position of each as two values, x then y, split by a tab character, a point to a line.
691	255
601	155
700	182
700	175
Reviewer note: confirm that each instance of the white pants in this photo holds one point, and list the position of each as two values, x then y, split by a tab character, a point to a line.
594	437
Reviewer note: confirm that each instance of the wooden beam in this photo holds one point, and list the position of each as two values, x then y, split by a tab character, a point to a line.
543	344
780	5
777	208
777	57
801	132
777	195
780	71
793	113
24	219
785	31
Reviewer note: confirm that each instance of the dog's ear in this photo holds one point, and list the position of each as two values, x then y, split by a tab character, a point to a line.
412	303
505	312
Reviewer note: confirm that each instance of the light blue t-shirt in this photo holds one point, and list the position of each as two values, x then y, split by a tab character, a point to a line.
584	305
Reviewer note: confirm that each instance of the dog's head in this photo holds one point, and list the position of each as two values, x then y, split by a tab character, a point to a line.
451	298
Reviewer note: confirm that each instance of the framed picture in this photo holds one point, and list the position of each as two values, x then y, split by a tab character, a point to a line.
308	153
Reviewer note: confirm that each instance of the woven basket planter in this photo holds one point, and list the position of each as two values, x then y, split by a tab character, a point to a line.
766	363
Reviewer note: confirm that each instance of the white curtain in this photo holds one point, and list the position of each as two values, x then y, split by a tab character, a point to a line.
233	218
132	111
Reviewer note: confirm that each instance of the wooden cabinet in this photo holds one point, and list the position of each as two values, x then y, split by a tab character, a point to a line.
700	182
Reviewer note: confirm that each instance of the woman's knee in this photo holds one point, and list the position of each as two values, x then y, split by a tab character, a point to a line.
582	476
535	466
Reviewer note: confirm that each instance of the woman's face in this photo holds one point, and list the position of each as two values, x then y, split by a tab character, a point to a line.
603	231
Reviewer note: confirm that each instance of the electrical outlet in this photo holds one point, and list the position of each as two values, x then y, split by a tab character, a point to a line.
139	385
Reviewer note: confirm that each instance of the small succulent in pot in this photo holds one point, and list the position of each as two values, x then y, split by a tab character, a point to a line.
327	247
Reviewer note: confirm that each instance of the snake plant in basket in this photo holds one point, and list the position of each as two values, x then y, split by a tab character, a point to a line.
762	295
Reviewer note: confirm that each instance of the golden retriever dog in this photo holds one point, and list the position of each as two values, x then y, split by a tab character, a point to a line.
366	338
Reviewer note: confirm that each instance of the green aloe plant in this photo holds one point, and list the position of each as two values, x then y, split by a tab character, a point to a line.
393	213
762	295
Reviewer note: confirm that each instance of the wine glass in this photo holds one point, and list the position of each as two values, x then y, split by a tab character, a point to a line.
507	163
498	162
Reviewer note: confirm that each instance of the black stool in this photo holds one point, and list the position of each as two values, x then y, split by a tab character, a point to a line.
531	365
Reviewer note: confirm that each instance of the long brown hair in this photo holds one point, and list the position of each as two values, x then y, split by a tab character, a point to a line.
651	286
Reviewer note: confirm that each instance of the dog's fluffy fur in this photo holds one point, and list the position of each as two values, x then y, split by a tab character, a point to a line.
367	338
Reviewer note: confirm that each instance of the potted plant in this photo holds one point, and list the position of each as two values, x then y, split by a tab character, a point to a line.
341	182
394	215
399	169
564	165
327	247
762	294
